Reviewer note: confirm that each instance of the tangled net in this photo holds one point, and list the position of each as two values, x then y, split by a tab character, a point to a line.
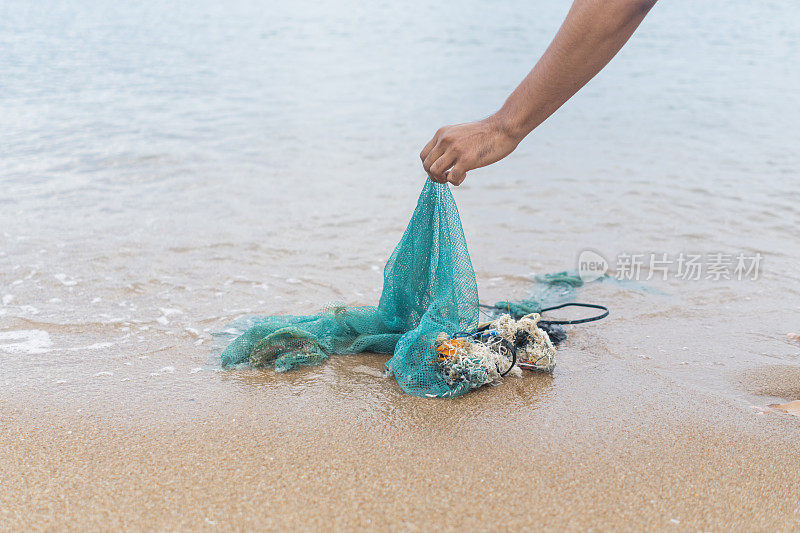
427	317
477	362
287	348
488	353
535	350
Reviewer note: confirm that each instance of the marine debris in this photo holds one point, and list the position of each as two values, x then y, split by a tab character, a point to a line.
494	349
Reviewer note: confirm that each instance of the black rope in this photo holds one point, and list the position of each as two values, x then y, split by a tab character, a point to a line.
563	322
513	349
579	320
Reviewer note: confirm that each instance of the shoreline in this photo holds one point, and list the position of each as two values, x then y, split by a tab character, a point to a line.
336	446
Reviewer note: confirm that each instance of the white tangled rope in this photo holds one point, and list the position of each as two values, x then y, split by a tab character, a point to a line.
464	359
533	345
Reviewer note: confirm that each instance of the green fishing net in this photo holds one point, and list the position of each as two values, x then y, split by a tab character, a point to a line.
550	289
428	287
429	290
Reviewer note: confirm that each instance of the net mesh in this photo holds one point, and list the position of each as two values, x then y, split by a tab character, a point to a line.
429	287
550	289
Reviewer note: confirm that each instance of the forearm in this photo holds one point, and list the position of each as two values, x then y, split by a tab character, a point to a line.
592	33
590	36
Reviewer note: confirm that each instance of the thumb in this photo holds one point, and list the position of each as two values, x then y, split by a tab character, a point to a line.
456	175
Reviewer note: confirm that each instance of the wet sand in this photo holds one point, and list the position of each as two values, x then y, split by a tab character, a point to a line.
654	418
339	446
170	169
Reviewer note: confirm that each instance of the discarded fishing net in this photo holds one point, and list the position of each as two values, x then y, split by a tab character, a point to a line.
552	288
490	351
427	317
429	287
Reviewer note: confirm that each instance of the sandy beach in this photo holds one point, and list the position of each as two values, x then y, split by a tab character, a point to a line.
162	442
574	451
166	170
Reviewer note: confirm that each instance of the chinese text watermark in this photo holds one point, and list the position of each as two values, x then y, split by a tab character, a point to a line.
685	266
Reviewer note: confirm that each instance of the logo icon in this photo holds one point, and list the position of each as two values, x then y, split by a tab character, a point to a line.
591	265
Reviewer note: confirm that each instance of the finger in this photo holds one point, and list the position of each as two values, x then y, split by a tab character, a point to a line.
428	147
456	175
442	164
431	144
437	180
432	156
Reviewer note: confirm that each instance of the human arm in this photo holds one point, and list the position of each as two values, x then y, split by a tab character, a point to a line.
592	33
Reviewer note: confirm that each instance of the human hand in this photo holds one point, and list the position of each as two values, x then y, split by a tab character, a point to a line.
455	150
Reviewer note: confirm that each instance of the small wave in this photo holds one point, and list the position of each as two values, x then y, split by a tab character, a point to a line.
25	341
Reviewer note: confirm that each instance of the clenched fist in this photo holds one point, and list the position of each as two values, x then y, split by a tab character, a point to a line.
455	150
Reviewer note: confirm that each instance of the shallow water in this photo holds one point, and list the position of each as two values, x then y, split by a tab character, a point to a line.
168	169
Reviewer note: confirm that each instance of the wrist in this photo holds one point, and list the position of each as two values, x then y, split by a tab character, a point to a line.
510	125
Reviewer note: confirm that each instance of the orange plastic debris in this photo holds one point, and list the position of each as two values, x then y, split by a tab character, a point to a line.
450	347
